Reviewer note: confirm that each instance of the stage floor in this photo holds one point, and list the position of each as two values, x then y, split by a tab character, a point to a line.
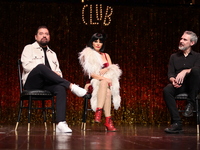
131	137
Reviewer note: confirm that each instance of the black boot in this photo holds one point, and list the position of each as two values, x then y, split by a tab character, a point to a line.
175	128
188	110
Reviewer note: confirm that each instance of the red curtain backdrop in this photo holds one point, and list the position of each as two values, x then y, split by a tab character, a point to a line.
140	39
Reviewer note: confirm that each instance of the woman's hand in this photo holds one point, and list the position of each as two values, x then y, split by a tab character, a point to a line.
109	81
103	71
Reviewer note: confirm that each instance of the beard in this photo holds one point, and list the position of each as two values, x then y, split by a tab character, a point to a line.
183	48
43	42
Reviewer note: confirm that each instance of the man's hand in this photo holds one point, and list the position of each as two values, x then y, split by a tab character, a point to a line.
178	81
180	77
58	73
175	84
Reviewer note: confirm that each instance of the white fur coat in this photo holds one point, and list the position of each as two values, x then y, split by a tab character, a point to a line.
92	63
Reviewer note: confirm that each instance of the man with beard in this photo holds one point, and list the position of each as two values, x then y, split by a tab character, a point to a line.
41	71
184	75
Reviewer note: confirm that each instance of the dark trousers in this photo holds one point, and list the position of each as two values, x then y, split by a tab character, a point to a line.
189	86
41	77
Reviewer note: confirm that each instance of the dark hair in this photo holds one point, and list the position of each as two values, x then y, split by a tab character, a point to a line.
40	27
96	36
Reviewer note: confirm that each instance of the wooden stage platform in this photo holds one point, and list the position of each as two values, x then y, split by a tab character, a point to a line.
131	137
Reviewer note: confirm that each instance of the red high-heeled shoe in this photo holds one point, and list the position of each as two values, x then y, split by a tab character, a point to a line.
98	114
109	125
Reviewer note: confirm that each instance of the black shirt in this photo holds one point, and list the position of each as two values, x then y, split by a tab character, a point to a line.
179	62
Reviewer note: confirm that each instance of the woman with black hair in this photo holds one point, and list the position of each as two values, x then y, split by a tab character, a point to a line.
104	79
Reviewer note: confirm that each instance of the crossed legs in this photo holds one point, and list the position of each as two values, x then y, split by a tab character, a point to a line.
190	86
104	98
104	101
41	77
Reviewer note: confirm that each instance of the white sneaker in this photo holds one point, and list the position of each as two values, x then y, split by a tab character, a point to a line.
63	127
80	92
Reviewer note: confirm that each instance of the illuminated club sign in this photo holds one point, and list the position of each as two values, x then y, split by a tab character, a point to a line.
94	14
